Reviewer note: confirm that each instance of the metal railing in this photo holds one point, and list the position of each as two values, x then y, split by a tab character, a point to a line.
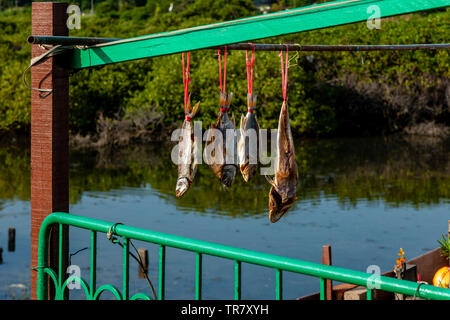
238	255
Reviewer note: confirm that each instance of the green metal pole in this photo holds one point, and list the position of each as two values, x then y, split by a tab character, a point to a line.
369	295
42	278
323	289
61	267
162	272
279	285
198	276
93	270
237	280
126	268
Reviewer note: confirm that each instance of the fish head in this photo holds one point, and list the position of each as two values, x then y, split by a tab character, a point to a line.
278	206
228	174
182	186
248	171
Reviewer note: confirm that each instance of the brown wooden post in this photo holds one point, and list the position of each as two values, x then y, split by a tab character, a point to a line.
326	259
143	256
11	239
49	132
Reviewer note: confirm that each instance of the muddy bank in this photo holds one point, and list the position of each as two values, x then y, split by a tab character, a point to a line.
123	133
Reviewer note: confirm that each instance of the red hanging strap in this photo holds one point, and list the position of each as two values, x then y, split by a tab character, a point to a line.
223	82
284	73
186	81
224	70
250	69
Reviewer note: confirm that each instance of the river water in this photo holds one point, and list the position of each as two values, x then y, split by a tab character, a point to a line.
367	197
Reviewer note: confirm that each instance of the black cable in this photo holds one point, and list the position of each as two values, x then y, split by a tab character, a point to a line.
113	239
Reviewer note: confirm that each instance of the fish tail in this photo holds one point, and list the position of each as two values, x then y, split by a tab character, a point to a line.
194	110
223	99
228	99
188	107
242	125
251	101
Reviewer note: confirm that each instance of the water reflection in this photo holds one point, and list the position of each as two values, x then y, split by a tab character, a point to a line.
136	186
395	170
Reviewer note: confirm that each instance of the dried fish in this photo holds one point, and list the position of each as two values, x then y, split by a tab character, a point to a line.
248	144
282	194
187	149
224	162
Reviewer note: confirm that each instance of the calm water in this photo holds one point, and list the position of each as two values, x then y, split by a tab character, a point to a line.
367	197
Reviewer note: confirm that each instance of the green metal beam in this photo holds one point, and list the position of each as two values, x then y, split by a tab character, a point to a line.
313	17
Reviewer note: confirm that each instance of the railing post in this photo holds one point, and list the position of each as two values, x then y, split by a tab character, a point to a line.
369	294
93	269
198	276
49	134
237	280
279	284
162	272
126	269
323	289
326	259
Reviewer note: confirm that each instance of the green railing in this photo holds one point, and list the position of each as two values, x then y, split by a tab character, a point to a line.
280	264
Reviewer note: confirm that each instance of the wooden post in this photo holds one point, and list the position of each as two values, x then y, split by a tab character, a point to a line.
143	255
326	259
11	239
49	134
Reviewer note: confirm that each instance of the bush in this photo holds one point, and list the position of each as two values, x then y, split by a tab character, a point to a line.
329	93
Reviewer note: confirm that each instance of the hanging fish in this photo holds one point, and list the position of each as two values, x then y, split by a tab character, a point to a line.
187	149
282	194
188	142
248	144
224	164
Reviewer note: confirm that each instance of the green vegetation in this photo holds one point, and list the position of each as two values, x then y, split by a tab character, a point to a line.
14	55
329	93
445	247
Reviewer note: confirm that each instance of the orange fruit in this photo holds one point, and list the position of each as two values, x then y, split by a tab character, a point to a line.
441	277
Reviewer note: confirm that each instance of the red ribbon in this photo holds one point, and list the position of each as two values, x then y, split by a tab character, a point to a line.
186	81
224	70
284	73
250	69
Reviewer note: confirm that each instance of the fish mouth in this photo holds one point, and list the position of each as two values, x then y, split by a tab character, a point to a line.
248	171
244	171
228	174
182	187
278	207
226	181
